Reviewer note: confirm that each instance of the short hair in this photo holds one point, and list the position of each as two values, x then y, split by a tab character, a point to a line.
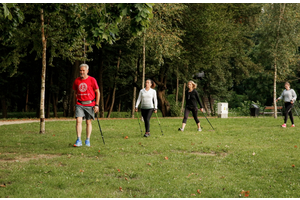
152	83
193	83
287	83
84	65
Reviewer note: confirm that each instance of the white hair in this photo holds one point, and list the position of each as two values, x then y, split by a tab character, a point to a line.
84	65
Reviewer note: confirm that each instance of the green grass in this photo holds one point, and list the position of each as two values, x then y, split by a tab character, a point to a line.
219	163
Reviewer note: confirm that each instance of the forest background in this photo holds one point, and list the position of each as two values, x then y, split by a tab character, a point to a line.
236	52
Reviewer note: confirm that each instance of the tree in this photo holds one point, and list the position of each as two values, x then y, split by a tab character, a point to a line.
278	41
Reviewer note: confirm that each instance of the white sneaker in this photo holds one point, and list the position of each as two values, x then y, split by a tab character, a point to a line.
180	129
199	129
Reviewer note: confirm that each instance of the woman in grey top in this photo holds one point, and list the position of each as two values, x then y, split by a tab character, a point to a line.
289	96
146	97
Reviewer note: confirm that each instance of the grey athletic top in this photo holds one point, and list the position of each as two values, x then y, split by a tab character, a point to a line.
288	95
146	99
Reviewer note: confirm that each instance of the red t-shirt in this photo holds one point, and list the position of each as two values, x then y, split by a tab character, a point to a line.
85	90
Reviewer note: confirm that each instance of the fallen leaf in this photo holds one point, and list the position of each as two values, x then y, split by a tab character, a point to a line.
218	146
140	143
119	170
3	185
126	179
193	195
295	146
166	158
149	164
192	143
293	165
126	137
81	170
99	151
247	193
120	188
253	153
53	135
198	191
82	154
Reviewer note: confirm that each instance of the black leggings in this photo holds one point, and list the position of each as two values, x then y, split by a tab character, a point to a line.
146	113
186	114
288	111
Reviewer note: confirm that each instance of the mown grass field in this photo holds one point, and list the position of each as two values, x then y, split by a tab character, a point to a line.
254	155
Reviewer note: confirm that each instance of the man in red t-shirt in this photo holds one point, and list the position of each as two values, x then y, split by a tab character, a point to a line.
87	102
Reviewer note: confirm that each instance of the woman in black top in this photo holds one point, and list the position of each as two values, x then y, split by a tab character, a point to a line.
191	98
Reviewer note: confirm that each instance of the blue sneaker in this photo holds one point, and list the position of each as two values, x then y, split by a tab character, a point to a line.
87	143
78	143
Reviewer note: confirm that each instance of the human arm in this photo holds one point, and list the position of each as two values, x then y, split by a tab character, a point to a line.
96	107
138	101
155	101
280	97
294	96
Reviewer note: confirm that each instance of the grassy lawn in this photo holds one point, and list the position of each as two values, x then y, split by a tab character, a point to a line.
251	154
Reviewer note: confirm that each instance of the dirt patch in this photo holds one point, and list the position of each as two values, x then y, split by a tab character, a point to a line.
203	153
26	159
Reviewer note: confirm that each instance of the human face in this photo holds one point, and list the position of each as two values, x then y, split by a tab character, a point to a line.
190	85
287	87
148	84
83	72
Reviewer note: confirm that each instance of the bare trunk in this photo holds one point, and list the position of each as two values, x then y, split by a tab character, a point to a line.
4	107
275	60
204	104
48	102
101	70
183	97
106	107
144	61
119	109
43	76
163	104
177	88
115	87
134	90
211	104
71	98
26	100
54	100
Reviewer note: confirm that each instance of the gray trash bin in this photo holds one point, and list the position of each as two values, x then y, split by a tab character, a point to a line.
254	110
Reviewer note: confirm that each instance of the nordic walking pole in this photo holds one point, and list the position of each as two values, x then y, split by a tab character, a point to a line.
139	122
207	120
100	128
159	124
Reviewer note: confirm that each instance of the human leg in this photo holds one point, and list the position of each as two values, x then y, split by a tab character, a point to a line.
195	115
186	115
146	113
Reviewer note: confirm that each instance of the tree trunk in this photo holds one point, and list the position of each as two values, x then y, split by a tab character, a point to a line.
183	97
163	104
134	90
27	96
211	104
119	109
54	100
4	107
71	97
204	104
106	106
115	87
144	61
43	76
177	87
101	70
48	102
275	60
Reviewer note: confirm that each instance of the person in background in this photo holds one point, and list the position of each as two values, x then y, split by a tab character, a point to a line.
146	97
191	99
289	97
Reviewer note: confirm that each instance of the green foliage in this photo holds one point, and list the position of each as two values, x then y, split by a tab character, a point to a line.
175	108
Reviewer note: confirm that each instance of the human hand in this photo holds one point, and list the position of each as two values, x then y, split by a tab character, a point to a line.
136	110
96	109
155	111
201	109
292	102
